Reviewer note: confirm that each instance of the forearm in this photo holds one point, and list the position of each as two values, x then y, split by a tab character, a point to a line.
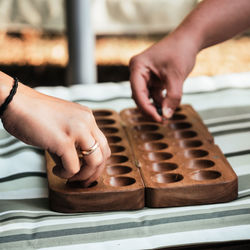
214	21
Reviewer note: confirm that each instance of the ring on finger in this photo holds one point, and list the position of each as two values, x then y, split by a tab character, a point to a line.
89	151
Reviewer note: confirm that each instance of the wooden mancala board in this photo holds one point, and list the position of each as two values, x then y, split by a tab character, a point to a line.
174	163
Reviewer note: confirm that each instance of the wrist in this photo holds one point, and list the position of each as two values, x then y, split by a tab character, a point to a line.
9	98
6	83
10	88
190	38
6	103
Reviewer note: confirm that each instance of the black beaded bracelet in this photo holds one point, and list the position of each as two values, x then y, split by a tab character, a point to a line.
3	107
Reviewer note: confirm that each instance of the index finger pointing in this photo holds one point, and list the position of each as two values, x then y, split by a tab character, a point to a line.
140	92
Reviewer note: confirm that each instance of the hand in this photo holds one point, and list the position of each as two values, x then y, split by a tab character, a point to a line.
164	66
60	127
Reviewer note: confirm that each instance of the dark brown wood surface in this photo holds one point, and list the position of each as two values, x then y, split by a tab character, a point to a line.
177	162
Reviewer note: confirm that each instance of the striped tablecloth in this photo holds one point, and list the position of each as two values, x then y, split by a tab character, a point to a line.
27	223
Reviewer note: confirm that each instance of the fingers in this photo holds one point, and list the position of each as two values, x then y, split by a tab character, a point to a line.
155	90
70	162
81	181
93	164
95	176
141	94
106	152
173	96
139	77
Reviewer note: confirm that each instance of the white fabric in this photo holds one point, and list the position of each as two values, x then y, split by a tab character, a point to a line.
26	220
108	16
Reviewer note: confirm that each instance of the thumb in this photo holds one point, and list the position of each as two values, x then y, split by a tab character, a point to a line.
173	97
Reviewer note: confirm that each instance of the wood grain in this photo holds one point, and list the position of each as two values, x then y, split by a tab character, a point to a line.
182	166
175	163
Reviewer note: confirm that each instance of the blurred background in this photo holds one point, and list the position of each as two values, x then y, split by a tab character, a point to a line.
34	40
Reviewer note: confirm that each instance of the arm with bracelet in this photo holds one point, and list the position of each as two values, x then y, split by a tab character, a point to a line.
62	128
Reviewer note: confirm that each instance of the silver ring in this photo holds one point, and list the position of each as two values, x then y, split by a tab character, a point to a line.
90	150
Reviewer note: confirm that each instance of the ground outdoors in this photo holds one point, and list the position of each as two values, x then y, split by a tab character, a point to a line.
41	58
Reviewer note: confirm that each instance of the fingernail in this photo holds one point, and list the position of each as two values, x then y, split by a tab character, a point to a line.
167	112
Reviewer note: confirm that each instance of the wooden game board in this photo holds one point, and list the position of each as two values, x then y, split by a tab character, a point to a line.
174	163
